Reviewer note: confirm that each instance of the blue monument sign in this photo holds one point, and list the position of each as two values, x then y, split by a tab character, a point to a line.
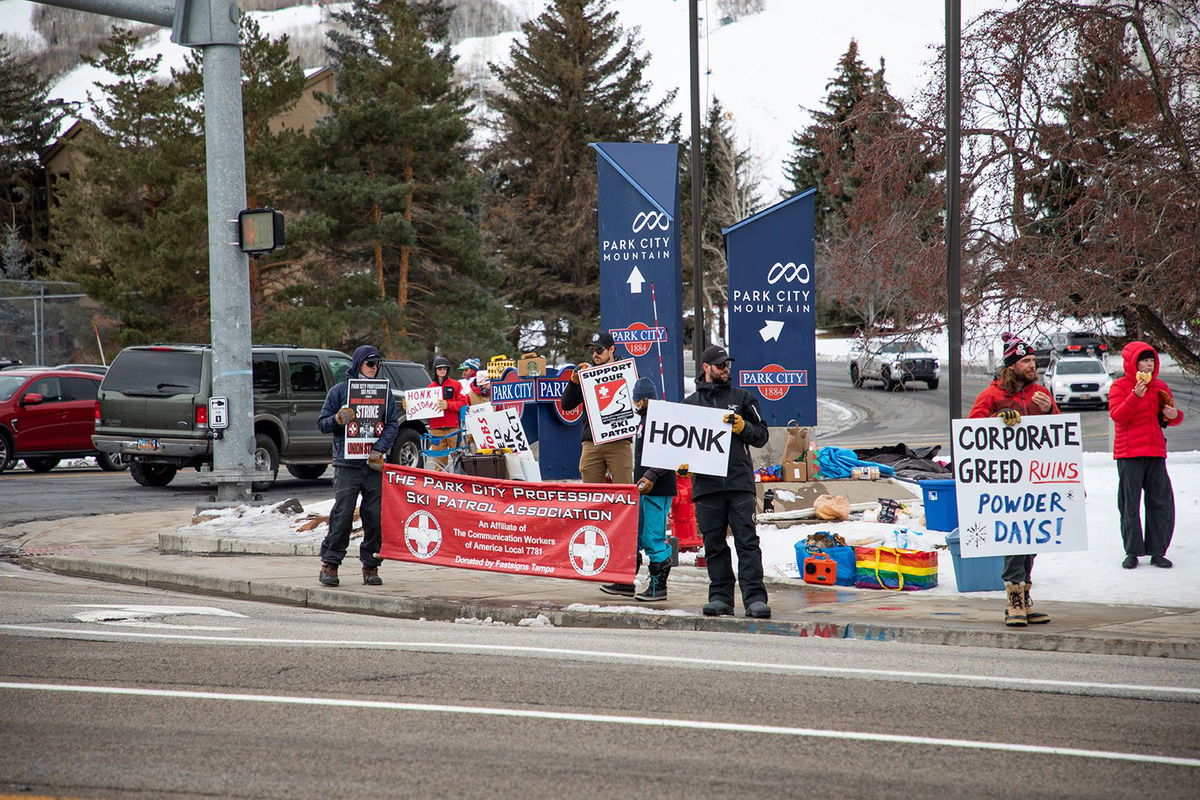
772	309
640	281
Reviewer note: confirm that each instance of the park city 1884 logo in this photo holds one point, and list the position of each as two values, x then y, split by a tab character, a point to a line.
772	381
639	337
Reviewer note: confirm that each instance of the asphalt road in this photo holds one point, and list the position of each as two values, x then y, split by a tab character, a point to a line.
128	692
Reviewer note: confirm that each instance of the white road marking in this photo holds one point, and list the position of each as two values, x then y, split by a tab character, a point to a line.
607	719
959	679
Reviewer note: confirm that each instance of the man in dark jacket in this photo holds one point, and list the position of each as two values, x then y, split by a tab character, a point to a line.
352	478
728	503
597	460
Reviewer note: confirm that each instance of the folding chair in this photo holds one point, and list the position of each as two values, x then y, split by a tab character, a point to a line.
450	446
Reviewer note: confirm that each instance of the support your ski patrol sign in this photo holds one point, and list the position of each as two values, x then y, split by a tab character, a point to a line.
557	530
608	397
1019	487
368	399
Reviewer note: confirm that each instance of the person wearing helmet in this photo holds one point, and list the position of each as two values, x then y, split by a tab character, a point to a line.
451	402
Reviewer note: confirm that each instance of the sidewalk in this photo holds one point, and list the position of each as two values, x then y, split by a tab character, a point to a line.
147	549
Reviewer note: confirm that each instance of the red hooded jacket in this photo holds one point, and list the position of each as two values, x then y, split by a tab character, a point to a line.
993	398
1138	430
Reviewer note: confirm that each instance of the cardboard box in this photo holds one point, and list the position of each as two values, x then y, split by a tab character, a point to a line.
531	366
801	471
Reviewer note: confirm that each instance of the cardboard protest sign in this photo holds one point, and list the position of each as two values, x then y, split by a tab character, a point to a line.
422	403
368	399
1020	487
497	429
678	433
558	530
608	398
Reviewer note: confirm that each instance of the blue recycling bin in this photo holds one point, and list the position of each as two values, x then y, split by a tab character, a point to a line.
975	574
941	504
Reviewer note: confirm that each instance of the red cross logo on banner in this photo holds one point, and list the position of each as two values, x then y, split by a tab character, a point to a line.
589	550
422	534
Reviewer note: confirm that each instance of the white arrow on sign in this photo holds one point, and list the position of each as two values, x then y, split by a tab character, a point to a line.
771	330
635	281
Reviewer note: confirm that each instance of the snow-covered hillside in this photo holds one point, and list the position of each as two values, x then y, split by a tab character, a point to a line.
765	68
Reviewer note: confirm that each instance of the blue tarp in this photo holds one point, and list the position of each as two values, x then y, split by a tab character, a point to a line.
836	462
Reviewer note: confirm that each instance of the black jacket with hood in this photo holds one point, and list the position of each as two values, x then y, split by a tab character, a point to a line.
336	399
740	477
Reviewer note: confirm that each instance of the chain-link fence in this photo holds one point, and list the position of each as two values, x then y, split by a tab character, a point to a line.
52	322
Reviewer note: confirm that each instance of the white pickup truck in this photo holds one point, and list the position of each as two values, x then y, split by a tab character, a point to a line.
894	363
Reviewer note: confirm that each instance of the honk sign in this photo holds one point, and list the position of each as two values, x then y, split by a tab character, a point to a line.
676	433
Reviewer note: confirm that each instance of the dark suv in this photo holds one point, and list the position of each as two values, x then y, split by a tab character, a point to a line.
1068	343
47	415
154	410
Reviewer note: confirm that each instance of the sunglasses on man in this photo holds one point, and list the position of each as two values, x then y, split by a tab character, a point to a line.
371	362
593	349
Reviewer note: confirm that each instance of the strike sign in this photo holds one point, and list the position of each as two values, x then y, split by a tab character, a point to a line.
678	433
368	399
1019	487
608	398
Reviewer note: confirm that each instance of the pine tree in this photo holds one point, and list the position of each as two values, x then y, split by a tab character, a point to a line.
576	77
829	130
391	191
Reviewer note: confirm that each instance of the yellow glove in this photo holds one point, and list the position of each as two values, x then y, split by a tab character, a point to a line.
738	423
375	461
575	373
682	470
344	415
644	485
1010	416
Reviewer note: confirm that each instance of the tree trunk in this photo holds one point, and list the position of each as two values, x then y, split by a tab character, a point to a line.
402	293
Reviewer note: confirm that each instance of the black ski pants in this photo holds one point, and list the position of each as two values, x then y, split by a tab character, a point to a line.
348	484
733	511
1145	475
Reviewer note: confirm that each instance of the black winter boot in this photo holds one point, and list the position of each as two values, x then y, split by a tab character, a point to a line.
656	589
328	576
624	589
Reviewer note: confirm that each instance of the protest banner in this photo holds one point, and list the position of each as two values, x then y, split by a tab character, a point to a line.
608	398
677	433
497	429
368	399
1019	487
558	530
422	403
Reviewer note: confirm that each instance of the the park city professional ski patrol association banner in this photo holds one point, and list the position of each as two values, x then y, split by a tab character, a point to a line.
368	399
640	304
1019	487
773	310
558	530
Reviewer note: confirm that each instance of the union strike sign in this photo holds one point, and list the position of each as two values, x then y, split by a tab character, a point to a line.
1019	488
677	433
558	530
368	398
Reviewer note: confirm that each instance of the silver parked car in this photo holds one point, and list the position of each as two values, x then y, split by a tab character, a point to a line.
894	363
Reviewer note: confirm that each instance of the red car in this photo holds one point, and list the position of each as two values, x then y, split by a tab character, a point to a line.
47	415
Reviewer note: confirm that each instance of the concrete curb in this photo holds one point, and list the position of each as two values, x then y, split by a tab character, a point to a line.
441	609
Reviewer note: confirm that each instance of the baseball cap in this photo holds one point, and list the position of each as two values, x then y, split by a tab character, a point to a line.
601	339
715	355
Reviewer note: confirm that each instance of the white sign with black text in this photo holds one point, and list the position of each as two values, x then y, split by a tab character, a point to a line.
495	430
1019	487
679	433
608	399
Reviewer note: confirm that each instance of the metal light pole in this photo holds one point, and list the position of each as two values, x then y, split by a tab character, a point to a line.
954	323
699	332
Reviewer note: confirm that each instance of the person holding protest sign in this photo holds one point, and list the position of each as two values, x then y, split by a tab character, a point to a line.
452	401
474	381
657	489
1015	393
1141	406
728	503
355	478
610	458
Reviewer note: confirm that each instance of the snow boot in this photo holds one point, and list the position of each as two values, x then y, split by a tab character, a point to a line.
371	576
328	576
1014	612
656	589
624	589
1031	616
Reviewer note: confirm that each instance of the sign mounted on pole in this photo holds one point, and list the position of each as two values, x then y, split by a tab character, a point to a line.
773	309
640	283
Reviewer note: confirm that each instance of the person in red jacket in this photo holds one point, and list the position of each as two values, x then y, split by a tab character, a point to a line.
1013	394
452	401
1141	405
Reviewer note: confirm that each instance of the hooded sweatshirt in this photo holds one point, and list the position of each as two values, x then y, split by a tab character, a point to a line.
1138	422
336	399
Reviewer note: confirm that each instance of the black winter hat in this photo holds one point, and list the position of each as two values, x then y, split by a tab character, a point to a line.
1015	349
644	390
